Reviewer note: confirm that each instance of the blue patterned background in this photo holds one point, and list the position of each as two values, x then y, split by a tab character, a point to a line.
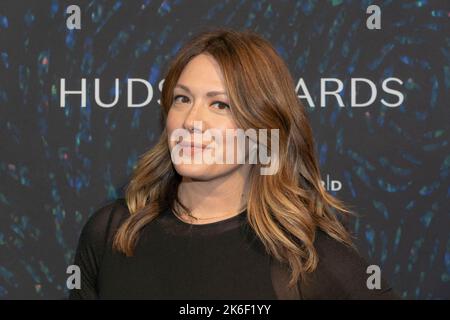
58	165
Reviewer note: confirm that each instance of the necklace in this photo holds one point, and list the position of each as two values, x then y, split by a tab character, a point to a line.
209	218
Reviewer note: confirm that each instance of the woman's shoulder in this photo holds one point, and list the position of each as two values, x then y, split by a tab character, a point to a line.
113	210
341	273
330	249
100	225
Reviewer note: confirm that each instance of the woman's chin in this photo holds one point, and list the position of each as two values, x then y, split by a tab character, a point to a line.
195	171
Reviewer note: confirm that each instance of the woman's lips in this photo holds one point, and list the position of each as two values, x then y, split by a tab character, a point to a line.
192	145
192	149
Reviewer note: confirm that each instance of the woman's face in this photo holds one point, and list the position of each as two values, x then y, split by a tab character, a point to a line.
200	105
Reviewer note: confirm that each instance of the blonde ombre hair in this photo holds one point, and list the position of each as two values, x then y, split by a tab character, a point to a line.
284	209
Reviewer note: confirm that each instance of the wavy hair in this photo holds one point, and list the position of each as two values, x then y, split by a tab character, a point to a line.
285	209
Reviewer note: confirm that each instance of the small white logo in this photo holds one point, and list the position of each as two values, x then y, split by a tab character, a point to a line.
374	280
374	20
74	280
74	20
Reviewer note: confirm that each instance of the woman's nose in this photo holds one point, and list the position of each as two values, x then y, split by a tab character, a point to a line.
195	119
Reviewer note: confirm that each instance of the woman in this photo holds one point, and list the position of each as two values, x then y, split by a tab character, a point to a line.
214	230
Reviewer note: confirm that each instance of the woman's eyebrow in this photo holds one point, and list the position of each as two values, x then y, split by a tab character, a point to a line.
209	94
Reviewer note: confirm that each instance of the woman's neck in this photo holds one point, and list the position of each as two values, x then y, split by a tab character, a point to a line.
216	199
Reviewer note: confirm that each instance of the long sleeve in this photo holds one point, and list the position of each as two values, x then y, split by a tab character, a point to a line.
89	253
341	274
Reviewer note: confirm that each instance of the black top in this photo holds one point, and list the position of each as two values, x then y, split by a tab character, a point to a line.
221	260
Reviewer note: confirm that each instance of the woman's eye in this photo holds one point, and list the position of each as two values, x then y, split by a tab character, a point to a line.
222	106
176	97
